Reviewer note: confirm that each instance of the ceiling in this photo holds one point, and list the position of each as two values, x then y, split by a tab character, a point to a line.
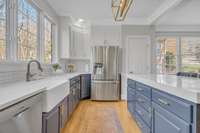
142	12
100	10
186	13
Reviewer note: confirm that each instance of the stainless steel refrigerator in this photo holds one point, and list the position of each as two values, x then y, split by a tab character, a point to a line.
105	75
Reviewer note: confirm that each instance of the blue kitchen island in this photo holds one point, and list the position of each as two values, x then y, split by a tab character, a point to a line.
164	103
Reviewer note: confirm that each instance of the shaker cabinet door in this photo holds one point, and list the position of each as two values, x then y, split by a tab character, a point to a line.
64	112
85	85
51	122
131	100
166	122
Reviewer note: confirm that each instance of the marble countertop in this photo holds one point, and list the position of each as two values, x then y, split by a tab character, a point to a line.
183	87
14	92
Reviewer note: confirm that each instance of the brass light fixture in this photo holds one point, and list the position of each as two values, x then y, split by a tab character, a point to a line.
120	9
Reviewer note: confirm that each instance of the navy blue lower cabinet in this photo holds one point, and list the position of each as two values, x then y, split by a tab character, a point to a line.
131	100
159	112
142	125
167	122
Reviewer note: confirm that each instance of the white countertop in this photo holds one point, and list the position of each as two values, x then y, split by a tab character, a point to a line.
14	92
183	87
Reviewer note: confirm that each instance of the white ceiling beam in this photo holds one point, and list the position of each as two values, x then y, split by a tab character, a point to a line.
162	9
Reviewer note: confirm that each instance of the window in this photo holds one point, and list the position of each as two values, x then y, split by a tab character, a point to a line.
190	52
188	59
166	55
27	31
2	29
47	41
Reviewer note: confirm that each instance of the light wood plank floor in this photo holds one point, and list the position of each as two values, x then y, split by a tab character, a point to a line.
85	118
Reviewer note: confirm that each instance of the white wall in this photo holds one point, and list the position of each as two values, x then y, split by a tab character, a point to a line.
131	30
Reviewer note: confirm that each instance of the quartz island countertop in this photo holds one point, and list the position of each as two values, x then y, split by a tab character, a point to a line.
183	87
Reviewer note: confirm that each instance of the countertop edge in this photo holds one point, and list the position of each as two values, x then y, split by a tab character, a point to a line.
41	90
191	96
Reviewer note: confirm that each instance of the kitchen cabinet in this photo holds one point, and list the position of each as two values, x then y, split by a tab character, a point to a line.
167	122
85	85
79	43
74	96
131	100
51	121
64	115
70	104
74	40
159	112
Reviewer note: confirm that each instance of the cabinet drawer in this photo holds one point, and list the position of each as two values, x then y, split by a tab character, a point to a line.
143	101
143	89
131	83
173	104
143	127
146	116
166	122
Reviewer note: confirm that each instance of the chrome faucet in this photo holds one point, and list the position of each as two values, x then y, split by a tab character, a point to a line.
28	74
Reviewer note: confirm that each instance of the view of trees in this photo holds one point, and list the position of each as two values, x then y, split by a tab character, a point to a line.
166	55
2	29
190	48
189	56
48	41
27	31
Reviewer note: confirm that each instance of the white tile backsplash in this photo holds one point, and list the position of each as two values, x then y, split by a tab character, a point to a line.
80	65
12	72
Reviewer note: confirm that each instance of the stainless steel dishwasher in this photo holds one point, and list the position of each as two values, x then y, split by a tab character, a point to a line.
22	117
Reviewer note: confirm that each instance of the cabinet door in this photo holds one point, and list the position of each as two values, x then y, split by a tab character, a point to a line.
85	86
64	112
77	94
79	46
70	105
52	122
131	100
166	122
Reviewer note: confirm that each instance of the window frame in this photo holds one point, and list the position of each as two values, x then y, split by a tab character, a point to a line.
38	32
178	48
176	56
12	33
52	39
181	54
7	38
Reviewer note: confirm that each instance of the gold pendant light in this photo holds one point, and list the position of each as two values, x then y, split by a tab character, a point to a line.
120	9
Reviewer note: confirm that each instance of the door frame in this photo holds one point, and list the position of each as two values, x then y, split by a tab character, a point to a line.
149	49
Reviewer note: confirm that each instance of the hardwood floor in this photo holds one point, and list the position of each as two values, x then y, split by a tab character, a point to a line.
101	117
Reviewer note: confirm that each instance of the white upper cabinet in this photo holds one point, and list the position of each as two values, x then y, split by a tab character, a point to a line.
79	43
74	40
64	36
